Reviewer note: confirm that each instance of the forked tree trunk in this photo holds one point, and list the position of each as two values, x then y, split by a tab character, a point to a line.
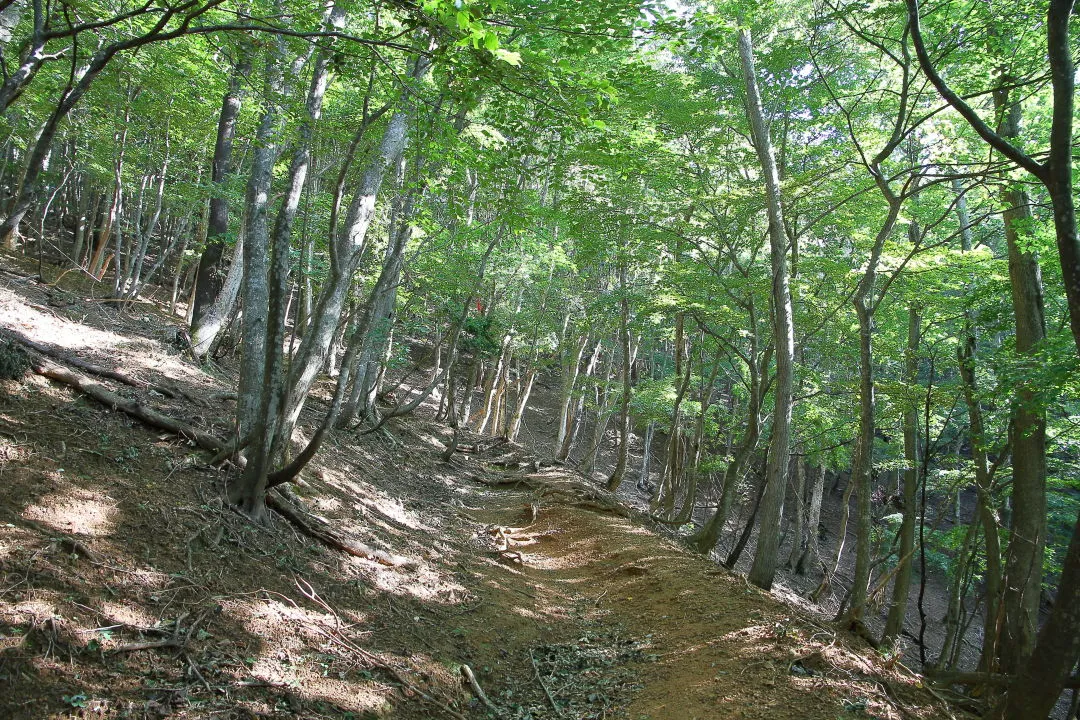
346	251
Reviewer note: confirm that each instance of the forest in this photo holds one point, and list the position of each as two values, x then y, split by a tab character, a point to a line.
797	285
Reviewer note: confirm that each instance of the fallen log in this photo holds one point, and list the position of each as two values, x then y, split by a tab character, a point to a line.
76	362
133	408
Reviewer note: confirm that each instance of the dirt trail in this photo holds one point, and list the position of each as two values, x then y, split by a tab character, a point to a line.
711	646
127	589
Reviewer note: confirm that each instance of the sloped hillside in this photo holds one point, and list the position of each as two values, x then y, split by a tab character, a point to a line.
487	587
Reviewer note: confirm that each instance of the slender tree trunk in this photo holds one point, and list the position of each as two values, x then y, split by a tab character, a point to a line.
894	624
345	254
811	555
566	405
526	386
208	312
574	420
646	457
623	451
765	558
799	519
376	322
603	417
705	539
133	281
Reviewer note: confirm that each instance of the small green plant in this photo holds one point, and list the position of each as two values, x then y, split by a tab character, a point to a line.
76	701
13	361
128	453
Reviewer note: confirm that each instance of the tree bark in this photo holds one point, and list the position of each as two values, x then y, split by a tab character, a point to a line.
1022	583
346	251
1034	692
623	451
765	558
894	623
208	312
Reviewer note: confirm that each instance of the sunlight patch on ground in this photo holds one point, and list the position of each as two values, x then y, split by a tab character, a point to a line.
368	699
530	614
28	611
120	349
127	614
393	509
290	634
323	503
75	511
757	632
423	583
432	441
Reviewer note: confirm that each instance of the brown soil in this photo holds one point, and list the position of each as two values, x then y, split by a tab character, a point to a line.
127	588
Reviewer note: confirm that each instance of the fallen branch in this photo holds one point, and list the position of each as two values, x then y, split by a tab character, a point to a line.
470	678
502	480
373	660
133	408
67	542
331	539
177	640
536	669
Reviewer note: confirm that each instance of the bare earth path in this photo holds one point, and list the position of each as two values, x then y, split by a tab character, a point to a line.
127	589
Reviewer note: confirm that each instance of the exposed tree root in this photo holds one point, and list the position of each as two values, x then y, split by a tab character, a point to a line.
328	537
131	407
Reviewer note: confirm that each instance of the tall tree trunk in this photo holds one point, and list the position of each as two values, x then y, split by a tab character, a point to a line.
208	313
798	522
603	417
811	555
1034	692
577	405
670	475
346	251
265	442
894	624
623	451
255	291
765	558
1027	537
376	322
570	373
